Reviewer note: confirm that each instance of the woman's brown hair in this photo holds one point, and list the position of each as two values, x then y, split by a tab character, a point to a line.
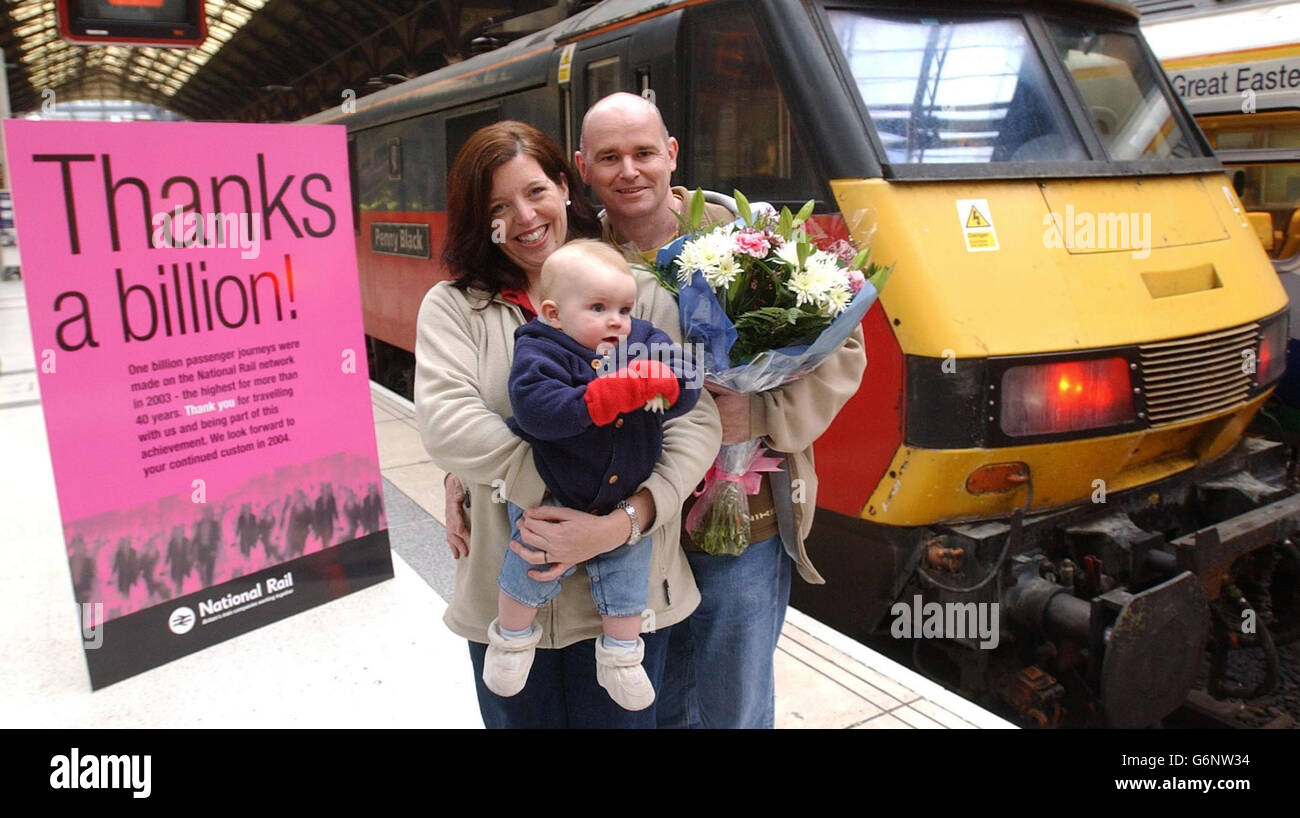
473	259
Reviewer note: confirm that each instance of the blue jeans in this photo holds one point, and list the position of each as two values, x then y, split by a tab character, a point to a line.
562	691
719	672
620	579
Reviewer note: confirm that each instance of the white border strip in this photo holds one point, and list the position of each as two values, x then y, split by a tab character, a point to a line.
389	394
910	679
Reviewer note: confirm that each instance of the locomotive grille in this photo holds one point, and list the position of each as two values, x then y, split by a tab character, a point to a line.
1195	376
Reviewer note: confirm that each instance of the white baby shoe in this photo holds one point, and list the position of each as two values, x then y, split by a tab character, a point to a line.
621	674
506	666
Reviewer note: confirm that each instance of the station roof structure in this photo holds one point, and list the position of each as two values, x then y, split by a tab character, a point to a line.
1165	9
263	60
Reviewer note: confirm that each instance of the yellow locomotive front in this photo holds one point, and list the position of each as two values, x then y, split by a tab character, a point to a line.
1082	324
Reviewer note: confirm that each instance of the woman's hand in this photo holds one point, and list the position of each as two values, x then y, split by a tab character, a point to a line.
555	571
457	524
570	536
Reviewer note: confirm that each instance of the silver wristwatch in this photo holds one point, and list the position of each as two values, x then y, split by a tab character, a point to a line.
636	524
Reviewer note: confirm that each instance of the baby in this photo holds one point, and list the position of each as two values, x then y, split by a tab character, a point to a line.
596	438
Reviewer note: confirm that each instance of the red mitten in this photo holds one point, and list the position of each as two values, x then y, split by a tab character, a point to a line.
611	395
660	378
628	389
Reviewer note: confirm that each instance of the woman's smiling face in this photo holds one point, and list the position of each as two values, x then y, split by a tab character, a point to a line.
527	213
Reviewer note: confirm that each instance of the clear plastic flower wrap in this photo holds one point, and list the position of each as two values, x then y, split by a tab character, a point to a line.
762	305
719	521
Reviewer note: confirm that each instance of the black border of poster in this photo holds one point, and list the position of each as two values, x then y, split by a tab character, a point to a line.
143	640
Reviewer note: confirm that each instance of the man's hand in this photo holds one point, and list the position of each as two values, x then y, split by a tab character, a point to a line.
457	524
733	409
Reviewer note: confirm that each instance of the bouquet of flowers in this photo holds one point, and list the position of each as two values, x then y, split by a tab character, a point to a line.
766	305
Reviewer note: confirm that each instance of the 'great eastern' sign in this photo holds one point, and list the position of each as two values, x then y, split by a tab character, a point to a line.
1221	87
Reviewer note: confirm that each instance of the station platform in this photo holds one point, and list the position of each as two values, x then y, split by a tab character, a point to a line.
377	658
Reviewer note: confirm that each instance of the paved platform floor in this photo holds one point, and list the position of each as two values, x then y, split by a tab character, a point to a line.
377	658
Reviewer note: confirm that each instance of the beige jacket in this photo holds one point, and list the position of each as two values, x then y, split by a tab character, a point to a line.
463	351
792	417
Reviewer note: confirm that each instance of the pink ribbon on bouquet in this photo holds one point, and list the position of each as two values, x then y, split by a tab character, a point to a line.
751	478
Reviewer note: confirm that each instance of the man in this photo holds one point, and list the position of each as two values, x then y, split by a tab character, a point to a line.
627	157
324	514
180	557
83	569
207	542
126	566
296	517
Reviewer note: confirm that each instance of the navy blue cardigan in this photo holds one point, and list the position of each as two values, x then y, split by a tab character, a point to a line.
589	467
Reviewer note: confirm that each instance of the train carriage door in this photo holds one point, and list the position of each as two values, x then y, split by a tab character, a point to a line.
639	58
599	69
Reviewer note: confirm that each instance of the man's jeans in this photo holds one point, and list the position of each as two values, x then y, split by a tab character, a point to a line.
719	670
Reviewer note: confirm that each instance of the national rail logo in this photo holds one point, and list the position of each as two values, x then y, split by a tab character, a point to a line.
182	620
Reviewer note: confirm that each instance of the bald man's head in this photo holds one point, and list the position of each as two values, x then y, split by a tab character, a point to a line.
622	104
627	157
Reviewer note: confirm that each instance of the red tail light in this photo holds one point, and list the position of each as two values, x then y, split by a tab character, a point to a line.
1066	397
1271	361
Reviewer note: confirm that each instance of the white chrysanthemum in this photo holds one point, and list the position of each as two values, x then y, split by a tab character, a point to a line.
825	271
804	287
725	273
788	253
836	300
705	255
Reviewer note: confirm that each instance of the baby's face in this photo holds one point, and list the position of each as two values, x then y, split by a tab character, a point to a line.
593	304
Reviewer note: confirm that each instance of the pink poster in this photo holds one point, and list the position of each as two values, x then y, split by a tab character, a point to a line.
196	315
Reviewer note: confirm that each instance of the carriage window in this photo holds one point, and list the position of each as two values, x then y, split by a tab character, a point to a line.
942	91
742	137
1122	91
1271	187
1266	130
602	79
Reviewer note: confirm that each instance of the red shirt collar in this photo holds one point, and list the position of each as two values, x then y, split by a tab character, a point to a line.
519	298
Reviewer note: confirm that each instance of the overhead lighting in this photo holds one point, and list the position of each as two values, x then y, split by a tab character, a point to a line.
385	80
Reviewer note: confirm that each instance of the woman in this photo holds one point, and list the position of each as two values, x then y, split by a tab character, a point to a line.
509	206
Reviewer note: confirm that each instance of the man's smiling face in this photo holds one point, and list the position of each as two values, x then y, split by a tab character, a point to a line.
628	160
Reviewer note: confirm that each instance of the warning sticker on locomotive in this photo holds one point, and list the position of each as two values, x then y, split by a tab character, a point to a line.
976	220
